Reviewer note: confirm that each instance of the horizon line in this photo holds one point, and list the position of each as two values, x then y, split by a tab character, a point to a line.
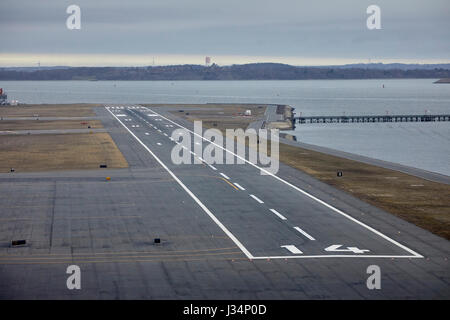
17	60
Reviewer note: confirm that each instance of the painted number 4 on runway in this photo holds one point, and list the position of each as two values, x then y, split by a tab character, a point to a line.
335	248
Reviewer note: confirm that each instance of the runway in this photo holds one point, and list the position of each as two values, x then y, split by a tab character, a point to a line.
267	217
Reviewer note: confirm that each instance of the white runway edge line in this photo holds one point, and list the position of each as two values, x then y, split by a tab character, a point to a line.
414	254
304	233
256	198
189	192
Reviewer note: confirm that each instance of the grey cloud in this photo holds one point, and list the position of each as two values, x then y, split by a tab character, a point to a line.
411	29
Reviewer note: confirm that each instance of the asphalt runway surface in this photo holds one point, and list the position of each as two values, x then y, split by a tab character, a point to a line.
227	232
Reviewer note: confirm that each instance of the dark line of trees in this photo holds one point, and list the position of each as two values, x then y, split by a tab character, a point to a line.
257	71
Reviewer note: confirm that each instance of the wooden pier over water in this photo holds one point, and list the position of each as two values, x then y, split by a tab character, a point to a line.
373	119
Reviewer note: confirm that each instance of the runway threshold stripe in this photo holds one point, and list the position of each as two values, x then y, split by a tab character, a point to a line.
292	249
304	233
189	192
278	214
256	198
414	254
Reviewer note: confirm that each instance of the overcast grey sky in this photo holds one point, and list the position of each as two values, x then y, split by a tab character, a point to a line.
298	32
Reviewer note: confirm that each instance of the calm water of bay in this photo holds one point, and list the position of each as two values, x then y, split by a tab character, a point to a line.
421	145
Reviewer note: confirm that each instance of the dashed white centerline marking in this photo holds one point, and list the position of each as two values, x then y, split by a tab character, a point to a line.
237	185
147	133
212	167
165	134
304	233
256	198
158	143
278	214
292	249
225	176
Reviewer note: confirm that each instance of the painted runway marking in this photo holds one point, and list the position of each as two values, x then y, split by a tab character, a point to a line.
335	248
158	143
147	133
292	249
225	176
237	185
212	167
189	192
278	214
229	183
165	134
121	115
304	233
256	198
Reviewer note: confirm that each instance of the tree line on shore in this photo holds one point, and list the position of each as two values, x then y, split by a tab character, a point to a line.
256	71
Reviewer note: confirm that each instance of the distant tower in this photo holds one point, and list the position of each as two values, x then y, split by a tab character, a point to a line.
207	61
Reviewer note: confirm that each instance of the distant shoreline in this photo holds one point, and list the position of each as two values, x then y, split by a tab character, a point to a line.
257	71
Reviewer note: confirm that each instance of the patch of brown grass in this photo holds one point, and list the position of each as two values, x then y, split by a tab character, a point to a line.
11	125
419	201
48	110
26	153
